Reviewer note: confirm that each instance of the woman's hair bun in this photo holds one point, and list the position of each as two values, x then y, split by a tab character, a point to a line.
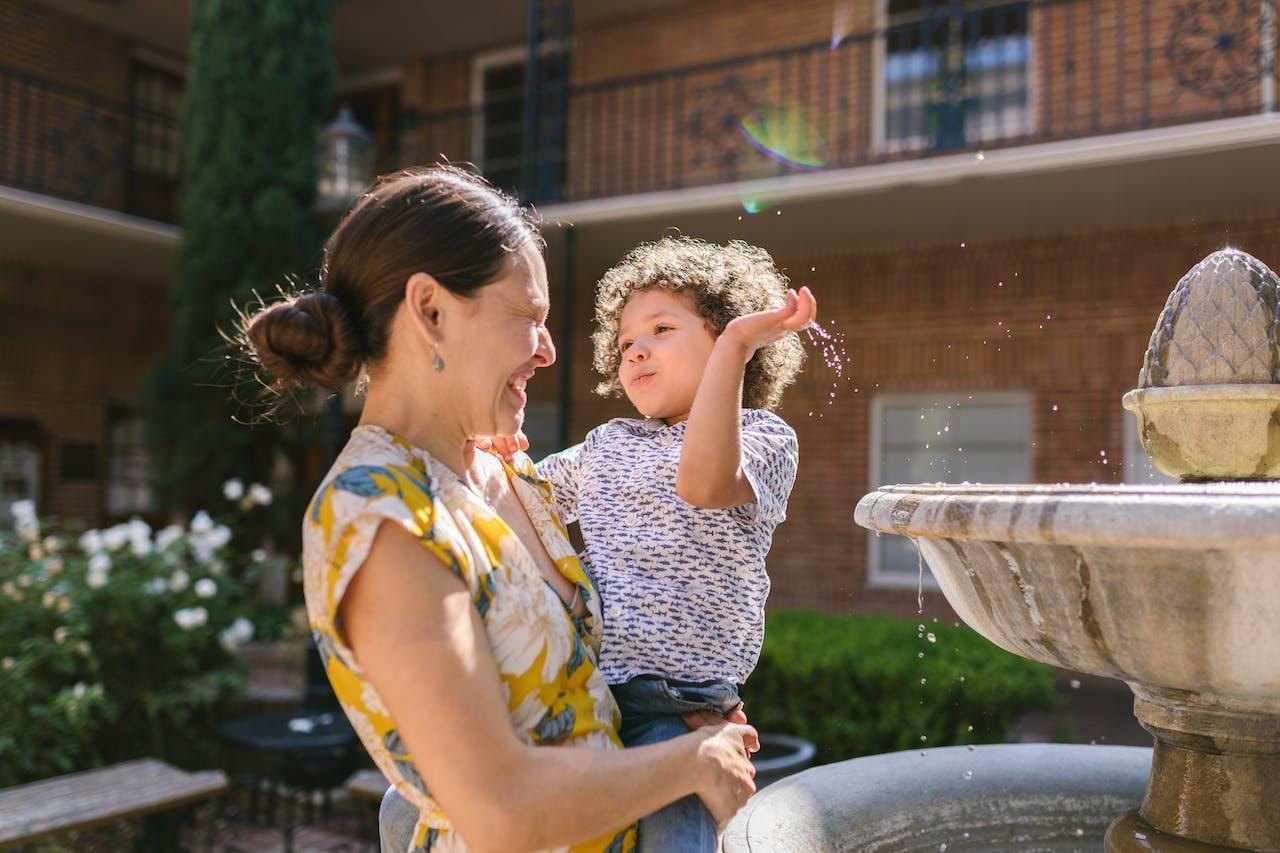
306	340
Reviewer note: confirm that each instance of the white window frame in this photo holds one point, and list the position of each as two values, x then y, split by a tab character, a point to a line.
876	577
879	81
481	63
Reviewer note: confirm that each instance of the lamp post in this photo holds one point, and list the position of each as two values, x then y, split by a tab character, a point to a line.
344	167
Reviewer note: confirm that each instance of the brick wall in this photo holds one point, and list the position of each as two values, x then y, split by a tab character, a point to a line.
64	126
72	345
936	318
1094	67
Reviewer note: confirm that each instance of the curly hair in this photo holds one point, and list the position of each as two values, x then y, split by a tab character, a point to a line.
724	282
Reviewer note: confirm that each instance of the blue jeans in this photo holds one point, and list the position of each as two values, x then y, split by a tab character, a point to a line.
652	708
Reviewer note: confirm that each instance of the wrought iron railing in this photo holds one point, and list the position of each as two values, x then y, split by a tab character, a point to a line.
66	142
928	78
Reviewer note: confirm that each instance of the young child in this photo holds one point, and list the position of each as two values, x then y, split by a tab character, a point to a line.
677	510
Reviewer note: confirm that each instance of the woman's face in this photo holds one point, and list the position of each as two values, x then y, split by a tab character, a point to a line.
503	340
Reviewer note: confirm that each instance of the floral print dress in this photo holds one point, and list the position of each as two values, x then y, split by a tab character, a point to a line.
545	656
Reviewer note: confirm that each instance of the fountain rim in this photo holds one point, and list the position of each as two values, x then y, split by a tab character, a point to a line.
1135	399
1235	516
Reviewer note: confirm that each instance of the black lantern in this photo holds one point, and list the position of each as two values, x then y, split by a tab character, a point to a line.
344	163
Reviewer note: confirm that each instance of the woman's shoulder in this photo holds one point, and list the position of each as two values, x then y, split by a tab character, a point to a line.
377	471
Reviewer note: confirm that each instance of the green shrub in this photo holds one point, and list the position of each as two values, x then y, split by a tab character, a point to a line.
858	685
120	643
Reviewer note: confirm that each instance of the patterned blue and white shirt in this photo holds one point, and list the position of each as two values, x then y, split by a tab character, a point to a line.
683	588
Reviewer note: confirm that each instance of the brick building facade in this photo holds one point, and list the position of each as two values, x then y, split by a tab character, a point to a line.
994	255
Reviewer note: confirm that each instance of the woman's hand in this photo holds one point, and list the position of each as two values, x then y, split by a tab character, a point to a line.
727	773
762	328
504	446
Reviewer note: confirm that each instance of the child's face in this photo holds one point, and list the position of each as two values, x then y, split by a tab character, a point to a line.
664	345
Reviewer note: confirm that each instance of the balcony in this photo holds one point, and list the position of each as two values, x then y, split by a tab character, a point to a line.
924	79
921	80
60	141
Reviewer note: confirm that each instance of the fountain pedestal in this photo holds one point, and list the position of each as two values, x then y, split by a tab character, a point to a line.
1215	774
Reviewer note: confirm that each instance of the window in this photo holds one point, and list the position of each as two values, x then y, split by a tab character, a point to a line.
157	102
499	135
983	437
955	74
128	488
1138	470
21	467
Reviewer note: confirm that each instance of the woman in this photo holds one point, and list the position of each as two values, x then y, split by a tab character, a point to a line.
456	623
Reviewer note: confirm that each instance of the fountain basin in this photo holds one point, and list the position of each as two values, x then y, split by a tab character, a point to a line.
1174	589
1210	432
1003	797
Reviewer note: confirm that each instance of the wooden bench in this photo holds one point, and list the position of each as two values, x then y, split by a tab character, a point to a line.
98	797
368	785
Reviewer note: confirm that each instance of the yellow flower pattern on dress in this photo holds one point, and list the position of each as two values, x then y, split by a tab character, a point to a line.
546	657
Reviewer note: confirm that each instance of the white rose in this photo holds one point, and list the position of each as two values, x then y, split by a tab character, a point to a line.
201	523
60	635
52	544
219	536
216	568
139	529
167	536
24	520
178	581
202	549
91	541
259	555
236	634
260	495
233	490
96	580
49	599
23	510
156	586
206	588
115	538
140	547
53	565
99	563
79	690
191	617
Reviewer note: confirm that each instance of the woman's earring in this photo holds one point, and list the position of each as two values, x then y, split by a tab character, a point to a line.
437	362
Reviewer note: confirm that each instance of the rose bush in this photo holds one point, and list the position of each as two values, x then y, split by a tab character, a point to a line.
120	642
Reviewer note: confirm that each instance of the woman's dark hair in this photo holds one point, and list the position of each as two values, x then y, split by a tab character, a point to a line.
439	220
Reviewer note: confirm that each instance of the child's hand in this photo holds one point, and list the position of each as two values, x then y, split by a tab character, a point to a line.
762	328
504	446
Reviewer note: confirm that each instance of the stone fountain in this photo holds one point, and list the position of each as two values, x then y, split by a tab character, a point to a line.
1174	589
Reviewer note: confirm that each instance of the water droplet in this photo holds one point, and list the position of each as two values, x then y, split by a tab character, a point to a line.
931	638
962	678
980	156
970	747
1075	684
1055	407
920	654
1077	832
942	847
923	680
970	728
968	774
923	738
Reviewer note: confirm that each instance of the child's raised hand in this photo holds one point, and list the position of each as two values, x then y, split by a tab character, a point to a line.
504	446
762	328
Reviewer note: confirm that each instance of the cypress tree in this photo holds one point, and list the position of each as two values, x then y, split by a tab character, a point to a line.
260	85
